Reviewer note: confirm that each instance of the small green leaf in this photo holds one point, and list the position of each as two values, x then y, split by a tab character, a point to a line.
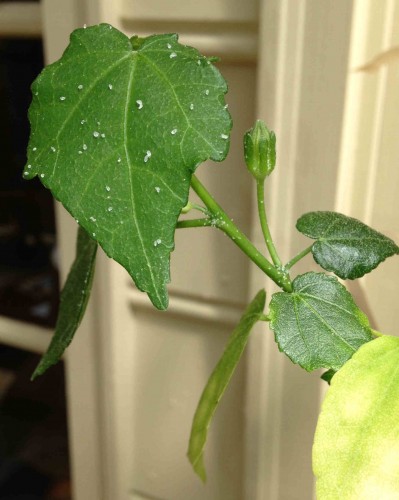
328	375
318	325
219	380
356	447
344	245
74	298
118	126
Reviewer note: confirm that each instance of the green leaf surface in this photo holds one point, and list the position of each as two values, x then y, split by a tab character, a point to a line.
219	380
356	447
118	126
328	375
318	325
74	298
344	245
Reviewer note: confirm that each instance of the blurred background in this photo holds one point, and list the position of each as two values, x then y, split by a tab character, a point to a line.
112	421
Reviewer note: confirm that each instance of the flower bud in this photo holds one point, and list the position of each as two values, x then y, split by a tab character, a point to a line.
260	150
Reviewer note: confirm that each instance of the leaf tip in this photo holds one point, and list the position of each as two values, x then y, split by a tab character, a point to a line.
39	370
160	300
198	466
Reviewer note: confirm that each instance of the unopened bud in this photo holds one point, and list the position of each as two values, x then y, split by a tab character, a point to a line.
260	150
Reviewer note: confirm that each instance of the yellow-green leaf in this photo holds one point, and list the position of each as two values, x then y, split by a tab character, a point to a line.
356	448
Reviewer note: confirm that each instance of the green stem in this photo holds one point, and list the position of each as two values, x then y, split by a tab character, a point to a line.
298	257
225	224
194	206
194	223
377	333
260	195
264	317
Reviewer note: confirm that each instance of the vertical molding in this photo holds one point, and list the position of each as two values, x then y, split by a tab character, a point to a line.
389	22
82	369
82	372
367	177
353	101
301	89
279	83
103	11
372	31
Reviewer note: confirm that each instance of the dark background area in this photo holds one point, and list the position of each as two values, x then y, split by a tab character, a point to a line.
28	275
34	457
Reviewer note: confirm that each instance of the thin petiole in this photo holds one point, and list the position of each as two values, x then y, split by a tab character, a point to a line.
377	333
298	257
194	206
194	223
260	195
200	208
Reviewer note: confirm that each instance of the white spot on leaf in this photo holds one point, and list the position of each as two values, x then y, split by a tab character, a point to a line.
173	55
96	134
147	156
174	131
139	103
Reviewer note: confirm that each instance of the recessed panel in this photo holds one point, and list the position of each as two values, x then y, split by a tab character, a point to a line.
191	10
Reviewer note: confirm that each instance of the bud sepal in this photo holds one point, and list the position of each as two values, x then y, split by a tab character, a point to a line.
260	150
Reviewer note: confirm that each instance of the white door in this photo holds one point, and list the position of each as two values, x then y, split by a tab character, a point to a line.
135	374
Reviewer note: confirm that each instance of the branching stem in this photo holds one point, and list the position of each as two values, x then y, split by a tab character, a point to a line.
221	220
193	223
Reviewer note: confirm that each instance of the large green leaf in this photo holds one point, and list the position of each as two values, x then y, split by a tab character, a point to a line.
345	245
318	325
356	448
219	380
74	298
118	127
